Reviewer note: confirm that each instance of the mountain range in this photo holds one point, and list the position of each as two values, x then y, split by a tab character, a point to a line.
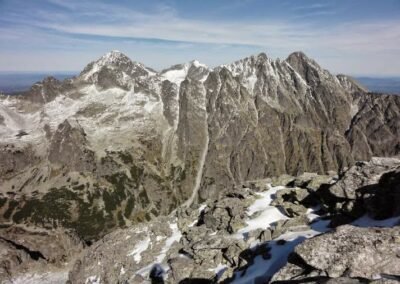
121	144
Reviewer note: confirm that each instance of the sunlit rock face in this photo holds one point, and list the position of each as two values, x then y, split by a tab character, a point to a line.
121	143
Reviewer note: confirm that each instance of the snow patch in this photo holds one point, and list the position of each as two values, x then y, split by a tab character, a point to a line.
93	280
60	277
157	264
197	64
219	270
279	253
139	248
175	237
176	76
266	214
122	271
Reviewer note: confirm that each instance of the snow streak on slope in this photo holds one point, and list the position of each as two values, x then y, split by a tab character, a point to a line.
201	162
57	277
140	247
175	237
199	174
158	262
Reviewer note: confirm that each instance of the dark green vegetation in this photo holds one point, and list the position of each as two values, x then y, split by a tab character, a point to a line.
94	209
11	206
91	213
61	206
2	201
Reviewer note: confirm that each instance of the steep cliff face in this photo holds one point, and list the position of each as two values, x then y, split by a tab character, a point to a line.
268	117
375	128
122	143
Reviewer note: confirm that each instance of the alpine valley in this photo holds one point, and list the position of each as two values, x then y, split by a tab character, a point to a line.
259	171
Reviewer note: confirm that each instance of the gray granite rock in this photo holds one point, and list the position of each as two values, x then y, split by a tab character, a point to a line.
364	253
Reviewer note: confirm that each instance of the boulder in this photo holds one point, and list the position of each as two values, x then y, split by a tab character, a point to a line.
360	175
295	224
350	252
282	180
368	187
290	200
226	214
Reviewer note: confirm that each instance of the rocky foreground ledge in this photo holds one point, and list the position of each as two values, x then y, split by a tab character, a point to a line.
307	229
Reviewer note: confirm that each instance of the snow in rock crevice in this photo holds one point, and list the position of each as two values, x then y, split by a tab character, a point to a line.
139	248
266	213
266	216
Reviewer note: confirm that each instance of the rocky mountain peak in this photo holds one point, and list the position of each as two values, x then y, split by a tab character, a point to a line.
114	57
299	55
115	62
250	69
299	59
248	64
309	69
198	64
50	80
44	91
192	69
47	82
262	56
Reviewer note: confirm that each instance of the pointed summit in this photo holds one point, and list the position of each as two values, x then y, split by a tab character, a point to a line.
300	58
248	65
306	67
117	63
114	57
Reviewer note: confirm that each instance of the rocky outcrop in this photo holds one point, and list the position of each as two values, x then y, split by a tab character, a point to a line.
34	250
69	148
131	255
374	129
45	91
352	253
370	187
15	159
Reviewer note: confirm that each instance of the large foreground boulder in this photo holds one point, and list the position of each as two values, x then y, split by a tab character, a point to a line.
348	252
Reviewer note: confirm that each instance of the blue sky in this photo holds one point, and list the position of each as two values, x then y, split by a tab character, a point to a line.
357	37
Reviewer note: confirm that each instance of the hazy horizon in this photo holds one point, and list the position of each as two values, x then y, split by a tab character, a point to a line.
76	72
21	81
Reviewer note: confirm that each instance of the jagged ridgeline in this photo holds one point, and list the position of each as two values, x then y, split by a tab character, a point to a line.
122	143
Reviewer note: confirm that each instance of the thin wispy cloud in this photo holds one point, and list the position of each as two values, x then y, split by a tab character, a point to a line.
83	24
315	6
